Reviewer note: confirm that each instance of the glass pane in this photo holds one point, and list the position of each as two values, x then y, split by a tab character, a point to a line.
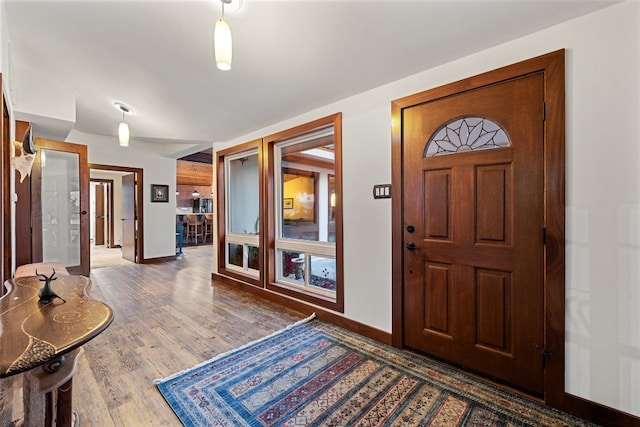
332	209
293	265
299	205
323	272
235	254
307	167
465	135
242	197
254	260
60	207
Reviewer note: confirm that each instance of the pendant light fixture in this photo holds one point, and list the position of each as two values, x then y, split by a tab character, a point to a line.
123	128
222	41
195	193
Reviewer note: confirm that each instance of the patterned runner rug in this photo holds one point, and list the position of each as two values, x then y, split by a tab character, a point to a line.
315	374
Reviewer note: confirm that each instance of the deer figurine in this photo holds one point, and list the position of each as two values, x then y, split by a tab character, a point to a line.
46	293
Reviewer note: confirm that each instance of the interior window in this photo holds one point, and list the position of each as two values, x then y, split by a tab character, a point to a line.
280	198
242	213
307	244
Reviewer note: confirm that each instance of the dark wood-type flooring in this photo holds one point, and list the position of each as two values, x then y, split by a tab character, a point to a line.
168	318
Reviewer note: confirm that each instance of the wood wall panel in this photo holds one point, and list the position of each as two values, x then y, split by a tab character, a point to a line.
192	173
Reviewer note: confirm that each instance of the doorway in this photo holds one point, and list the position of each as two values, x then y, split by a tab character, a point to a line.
478	229
121	241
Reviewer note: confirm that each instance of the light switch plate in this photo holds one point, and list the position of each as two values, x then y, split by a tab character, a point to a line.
382	191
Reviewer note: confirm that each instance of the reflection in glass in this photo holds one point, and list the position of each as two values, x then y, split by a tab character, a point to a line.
299	218
61	208
243	197
235	254
254	260
293	265
307	173
322	272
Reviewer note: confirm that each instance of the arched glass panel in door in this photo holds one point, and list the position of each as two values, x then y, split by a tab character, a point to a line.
466	134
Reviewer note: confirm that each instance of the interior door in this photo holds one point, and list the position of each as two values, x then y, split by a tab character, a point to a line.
60	205
473	230
129	225
100	214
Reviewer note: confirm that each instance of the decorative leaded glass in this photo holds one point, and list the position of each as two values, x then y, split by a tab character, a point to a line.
466	134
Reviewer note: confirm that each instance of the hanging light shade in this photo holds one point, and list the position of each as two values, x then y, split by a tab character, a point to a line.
123	134
123	128
195	193
223	44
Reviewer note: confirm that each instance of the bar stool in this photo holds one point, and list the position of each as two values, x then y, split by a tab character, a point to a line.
194	227
208	226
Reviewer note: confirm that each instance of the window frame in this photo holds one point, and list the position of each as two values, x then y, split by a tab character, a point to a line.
272	204
249	275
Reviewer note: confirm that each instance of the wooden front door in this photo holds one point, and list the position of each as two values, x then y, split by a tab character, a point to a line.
129	220
473	230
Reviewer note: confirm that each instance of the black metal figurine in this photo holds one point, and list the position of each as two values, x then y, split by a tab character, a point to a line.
46	293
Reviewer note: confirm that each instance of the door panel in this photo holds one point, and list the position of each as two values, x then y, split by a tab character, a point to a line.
473	290
100	214
129	223
60	205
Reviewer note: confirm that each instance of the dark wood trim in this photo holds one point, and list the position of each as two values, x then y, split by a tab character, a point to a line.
139	202
397	250
22	223
5	182
308	309
159	260
597	413
221	212
552	65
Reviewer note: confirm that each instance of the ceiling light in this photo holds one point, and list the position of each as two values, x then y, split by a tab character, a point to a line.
123	133
123	128
222	41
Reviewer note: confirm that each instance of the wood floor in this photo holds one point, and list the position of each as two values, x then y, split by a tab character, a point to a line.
168	318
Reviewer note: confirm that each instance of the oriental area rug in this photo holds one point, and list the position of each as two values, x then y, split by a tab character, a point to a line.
316	374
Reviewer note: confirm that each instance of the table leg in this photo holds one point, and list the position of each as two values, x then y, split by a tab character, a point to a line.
49	384
64	409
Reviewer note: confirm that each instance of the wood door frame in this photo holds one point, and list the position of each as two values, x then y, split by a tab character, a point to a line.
36	201
138	203
109	183
552	65
5	183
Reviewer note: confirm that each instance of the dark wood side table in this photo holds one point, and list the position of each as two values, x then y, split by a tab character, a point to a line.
44	339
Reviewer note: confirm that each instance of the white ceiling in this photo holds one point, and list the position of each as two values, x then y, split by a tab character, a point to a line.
289	56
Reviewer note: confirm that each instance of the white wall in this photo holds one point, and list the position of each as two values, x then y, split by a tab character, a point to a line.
159	218
603	197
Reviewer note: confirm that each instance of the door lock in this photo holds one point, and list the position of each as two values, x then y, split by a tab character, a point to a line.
411	246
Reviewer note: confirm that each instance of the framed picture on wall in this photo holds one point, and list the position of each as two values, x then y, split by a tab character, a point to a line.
159	193
287	203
